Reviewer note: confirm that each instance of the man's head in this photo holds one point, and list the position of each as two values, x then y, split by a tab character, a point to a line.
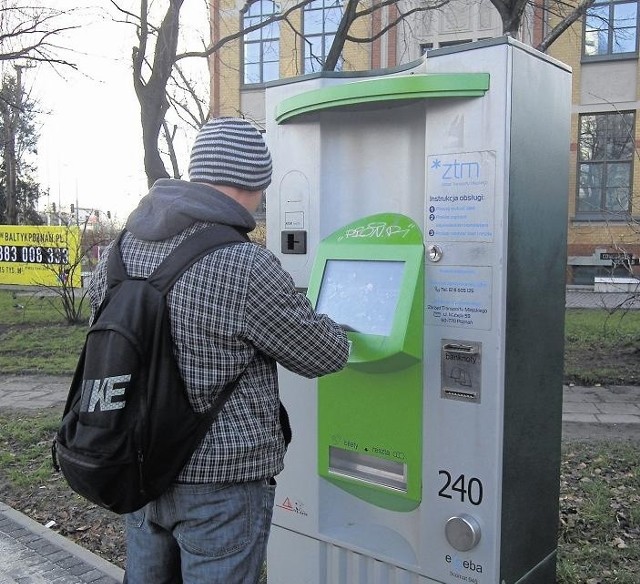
230	152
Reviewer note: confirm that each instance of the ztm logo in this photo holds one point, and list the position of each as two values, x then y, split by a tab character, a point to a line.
457	170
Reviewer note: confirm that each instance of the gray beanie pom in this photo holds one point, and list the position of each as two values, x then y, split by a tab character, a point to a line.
232	152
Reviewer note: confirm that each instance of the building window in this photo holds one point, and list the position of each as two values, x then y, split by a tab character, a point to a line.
454	43
605	165
611	29
261	46
321	20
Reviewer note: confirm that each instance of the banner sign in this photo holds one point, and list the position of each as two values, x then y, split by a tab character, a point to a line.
34	255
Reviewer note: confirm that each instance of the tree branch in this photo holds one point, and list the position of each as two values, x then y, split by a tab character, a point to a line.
577	12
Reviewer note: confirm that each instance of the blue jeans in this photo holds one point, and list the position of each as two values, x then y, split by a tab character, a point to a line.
201	534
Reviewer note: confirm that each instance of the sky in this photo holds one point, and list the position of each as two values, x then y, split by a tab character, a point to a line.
90	147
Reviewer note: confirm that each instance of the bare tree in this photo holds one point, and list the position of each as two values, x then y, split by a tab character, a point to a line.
15	111
511	14
152	90
82	242
152	74
154	69
30	33
66	276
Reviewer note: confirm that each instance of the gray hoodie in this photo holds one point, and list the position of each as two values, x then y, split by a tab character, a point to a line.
173	205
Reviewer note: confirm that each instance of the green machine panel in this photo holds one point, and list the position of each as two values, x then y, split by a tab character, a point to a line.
369	277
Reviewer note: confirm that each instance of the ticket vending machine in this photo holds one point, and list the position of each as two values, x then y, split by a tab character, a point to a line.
426	211
369	277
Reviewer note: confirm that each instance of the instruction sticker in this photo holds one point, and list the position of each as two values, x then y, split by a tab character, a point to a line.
459	296
460	196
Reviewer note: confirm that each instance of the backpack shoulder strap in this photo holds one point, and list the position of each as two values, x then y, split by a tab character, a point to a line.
195	247
116	272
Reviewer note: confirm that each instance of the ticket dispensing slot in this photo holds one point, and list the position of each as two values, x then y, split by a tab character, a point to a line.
369	277
373	470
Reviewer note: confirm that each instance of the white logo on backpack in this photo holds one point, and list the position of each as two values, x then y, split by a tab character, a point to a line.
102	392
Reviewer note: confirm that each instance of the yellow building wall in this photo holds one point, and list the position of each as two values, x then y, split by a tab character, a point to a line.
225	63
227	74
290	47
357	56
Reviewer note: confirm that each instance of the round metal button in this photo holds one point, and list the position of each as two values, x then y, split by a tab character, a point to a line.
463	532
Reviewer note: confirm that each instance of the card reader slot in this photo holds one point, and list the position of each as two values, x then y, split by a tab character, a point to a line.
370	469
460	348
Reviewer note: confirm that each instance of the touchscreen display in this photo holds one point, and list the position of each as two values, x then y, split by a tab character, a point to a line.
361	294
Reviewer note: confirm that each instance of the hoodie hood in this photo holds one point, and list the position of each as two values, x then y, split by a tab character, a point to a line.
173	205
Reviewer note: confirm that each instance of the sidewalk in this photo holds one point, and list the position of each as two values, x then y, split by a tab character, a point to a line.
586	405
32	554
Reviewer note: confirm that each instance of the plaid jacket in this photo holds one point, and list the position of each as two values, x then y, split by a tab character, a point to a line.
236	310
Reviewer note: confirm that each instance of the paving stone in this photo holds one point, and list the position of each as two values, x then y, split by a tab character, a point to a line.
32	554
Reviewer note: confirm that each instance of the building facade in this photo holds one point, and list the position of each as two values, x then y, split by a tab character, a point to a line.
604	190
601	48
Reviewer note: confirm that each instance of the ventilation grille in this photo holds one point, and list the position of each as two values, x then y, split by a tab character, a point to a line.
342	566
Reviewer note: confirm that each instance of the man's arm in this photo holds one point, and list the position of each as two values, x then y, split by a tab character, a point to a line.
282	323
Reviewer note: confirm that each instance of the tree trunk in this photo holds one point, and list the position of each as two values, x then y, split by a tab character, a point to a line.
564	25
341	36
152	117
511	12
152	93
10	115
10	166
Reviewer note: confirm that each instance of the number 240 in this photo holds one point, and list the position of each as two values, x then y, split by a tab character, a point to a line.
469	488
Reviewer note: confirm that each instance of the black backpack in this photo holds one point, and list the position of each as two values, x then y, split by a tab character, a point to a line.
128	428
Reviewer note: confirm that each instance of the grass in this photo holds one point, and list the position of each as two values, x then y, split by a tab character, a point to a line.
598	535
34	337
51	349
26	443
30	307
583	327
602	348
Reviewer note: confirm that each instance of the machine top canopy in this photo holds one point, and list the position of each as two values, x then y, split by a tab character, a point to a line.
383	91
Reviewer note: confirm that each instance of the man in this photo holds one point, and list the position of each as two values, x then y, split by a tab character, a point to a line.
233	313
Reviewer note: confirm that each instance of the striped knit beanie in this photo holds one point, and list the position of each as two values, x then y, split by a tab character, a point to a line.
232	152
